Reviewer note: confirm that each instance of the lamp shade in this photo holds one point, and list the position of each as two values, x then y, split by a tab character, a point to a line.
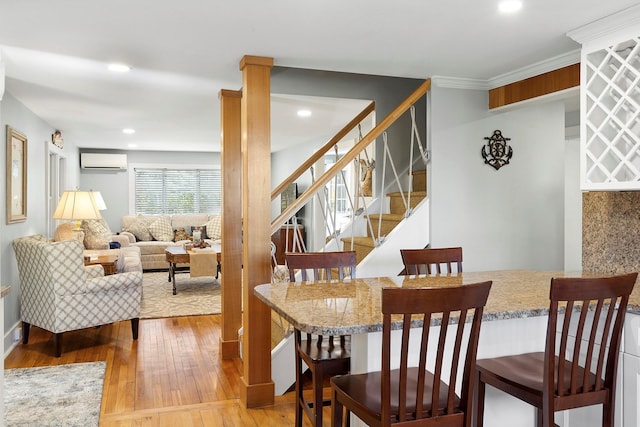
77	205
99	200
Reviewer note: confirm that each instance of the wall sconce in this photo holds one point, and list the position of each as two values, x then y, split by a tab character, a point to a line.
496	153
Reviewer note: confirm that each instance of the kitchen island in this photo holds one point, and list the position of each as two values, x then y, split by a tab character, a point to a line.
514	321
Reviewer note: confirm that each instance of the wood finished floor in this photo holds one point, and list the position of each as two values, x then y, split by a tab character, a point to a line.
171	376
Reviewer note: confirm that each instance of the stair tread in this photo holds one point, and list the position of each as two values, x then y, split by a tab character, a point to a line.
413	193
359	240
388	217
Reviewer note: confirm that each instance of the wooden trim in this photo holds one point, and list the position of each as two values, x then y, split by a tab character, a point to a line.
257	387
259	61
350	155
322	151
231	162
543	84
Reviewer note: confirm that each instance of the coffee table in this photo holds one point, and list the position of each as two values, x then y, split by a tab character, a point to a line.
179	255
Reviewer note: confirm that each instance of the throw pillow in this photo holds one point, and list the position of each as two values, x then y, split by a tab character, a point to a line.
161	230
214	227
181	234
96	234
140	228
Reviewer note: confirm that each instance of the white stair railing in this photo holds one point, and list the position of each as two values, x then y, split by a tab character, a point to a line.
324	188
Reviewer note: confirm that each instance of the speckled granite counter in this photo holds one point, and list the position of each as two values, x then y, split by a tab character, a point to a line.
354	307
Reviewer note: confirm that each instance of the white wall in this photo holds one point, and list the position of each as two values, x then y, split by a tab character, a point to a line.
506	219
572	207
38	134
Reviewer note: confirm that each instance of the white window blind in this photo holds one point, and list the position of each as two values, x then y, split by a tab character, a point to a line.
175	191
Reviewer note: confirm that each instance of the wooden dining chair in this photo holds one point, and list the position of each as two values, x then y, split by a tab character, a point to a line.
575	370
420	395
323	355
425	261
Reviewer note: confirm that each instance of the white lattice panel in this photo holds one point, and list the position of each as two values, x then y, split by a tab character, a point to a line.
611	98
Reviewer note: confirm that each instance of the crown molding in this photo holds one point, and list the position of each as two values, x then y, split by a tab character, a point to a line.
532	70
621	20
459	83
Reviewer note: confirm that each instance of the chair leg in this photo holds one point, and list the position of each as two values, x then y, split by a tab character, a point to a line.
298	386
336	410
57	341
134	327
318	401
25	332
480	402
607	415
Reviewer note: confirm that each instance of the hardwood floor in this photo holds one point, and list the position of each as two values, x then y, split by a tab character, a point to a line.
171	376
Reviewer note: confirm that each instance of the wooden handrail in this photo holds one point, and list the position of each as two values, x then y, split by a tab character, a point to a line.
323	150
350	155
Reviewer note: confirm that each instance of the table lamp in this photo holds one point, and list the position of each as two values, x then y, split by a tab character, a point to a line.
77	205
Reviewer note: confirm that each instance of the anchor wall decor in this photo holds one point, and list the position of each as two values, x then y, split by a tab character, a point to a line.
497	153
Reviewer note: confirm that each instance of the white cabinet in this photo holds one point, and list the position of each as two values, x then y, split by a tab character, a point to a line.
609	102
631	341
631	393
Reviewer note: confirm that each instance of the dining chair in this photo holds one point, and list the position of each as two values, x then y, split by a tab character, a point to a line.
575	370
324	356
425	394
423	261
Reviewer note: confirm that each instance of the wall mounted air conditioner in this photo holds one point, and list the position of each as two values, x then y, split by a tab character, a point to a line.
103	161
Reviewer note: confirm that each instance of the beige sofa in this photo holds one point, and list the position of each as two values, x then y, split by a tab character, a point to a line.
154	233
97	238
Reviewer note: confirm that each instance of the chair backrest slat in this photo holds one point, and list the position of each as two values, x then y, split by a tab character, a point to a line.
431	260
588	350
592	343
322	264
448	308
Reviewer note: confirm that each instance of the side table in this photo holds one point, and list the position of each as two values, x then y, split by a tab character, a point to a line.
108	262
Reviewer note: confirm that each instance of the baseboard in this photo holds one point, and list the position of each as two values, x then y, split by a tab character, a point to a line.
12	338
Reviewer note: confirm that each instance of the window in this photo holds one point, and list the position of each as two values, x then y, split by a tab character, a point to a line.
337	193
175	191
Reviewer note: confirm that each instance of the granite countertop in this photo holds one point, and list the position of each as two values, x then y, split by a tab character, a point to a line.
354	306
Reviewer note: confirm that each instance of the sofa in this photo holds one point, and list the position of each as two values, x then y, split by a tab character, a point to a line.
97	241
152	234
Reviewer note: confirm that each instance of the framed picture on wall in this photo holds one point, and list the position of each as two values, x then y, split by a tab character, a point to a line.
16	176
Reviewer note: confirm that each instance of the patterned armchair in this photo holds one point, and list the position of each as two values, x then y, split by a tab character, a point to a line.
59	294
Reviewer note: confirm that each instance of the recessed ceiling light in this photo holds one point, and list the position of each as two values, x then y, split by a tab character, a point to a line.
304	113
129	131
509	6
132	145
119	68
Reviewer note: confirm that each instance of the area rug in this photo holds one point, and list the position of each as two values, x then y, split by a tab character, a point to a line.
195	296
65	395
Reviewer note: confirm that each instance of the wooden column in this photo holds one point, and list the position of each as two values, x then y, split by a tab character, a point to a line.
231	161
258	388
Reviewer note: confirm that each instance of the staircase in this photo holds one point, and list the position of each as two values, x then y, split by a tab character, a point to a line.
363	245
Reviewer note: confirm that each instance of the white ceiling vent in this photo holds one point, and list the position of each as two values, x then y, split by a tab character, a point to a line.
103	161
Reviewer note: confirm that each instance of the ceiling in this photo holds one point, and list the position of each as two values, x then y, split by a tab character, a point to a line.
56	55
